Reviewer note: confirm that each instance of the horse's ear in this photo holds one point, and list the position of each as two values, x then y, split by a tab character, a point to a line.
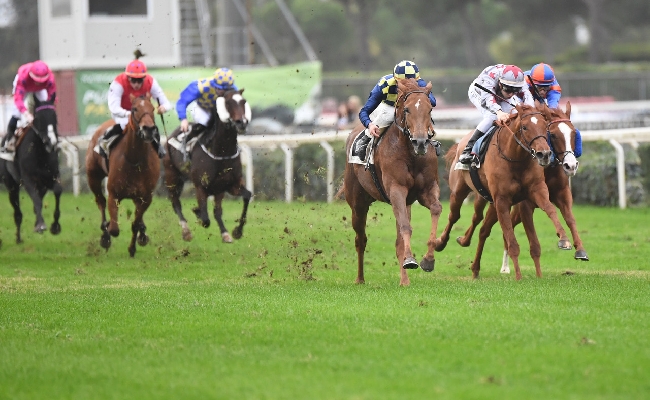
241	90
148	96
53	98
132	97
568	109
429	86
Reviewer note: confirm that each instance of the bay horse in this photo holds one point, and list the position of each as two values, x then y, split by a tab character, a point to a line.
132	168
215	167
562	136
513	171
406	171
36	167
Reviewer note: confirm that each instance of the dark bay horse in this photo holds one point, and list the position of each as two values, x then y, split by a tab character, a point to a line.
562	136
36	167
406	171
512	172
215	167
133	169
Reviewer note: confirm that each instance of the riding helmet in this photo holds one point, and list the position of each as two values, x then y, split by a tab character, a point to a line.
542	74
39	71
512	76
224	77
406	69
136	69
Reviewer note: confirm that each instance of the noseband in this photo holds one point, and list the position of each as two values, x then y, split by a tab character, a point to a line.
403	125
525	146
559	157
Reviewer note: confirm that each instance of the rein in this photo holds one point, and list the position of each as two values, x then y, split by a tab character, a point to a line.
527	147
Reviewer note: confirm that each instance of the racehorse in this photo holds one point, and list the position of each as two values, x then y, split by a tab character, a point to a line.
404	170
132	168
215	166
511	173
562	136
36	167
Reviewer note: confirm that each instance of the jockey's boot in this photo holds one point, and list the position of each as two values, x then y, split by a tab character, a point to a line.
362	145
8	142
195	131
466	156
160	149
103	140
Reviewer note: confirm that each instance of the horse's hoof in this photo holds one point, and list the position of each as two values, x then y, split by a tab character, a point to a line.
564	245
40	228
205	223
187	235
132	251
410	263
440	245
238	232
581	255
55	229
505	270
426	265
143	240
226	238
461	242
105	241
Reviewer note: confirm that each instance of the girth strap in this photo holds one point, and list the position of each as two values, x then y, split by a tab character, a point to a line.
476	180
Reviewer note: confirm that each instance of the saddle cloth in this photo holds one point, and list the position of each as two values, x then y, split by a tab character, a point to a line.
177	142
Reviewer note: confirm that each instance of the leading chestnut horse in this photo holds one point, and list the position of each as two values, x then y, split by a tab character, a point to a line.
406	171
36	167
133	169
512	172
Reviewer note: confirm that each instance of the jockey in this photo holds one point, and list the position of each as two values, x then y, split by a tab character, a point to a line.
133	81
545	88
35	79
204	93
506	89
379	110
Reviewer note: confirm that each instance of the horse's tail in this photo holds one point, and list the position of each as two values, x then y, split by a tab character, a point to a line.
449	160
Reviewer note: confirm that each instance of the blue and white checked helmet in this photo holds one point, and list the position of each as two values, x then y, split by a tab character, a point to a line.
406	69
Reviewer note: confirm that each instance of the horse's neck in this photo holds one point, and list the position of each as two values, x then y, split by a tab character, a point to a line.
224	142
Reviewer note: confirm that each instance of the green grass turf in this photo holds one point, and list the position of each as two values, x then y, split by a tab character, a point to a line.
277	314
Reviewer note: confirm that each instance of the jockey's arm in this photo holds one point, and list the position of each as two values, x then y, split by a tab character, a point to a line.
115	92
553	98
375	98
157	93
188	95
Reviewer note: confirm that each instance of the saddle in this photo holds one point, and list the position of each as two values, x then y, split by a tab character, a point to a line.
177	141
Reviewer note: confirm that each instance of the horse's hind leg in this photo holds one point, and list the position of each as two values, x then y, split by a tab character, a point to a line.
218	216
14	199
37	199
138	228
431	201
174	184
483	234
55	229
533	240
359	216
201	211
238	232
565	202
479	207
455	202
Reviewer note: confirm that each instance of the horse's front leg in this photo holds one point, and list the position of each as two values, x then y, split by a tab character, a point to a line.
138	228
564	202
246	195
431	200
113	204
37	199
488	222
533	240
175	184
539	196
218	216
479	207
402	214
14	199
55	229
502	209
201	211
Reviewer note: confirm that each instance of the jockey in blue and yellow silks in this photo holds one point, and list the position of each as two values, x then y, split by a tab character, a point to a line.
379	110
203	94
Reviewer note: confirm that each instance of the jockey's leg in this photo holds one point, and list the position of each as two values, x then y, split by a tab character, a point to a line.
103	140
195	131
362	144
7	140
466	157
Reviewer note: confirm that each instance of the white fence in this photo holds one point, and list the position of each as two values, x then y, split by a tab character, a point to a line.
289	142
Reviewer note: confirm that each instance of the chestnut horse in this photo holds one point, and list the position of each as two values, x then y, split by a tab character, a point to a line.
133	169
36	167
510	175
562	136
406	171
215	168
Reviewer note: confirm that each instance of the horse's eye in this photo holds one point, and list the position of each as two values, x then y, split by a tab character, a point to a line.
406	109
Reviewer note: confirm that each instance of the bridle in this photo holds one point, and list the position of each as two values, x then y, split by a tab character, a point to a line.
526	146
40	134
403	125
136	121
548	133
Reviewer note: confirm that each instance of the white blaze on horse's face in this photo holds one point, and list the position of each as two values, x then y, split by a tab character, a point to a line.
417	105
51	135
570	163
534	120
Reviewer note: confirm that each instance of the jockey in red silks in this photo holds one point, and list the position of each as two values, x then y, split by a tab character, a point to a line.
505	88
34	79
137	82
